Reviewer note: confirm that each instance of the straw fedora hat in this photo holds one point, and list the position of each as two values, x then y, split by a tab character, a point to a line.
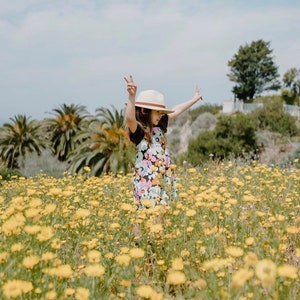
152	99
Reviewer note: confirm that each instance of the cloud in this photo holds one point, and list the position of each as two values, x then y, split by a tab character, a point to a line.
80	50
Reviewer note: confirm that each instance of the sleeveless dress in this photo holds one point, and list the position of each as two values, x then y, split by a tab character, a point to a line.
154	178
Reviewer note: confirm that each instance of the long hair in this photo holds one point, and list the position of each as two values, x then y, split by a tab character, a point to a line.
143	117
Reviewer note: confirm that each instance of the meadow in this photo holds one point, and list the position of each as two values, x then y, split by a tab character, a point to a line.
233	233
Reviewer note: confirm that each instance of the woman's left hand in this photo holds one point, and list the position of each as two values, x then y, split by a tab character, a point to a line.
197	95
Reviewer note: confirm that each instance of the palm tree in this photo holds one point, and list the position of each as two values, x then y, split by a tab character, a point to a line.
104	145
19	138
68	121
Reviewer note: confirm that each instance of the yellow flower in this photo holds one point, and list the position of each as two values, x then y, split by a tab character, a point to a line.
45	234
176	277
184	253
177	263
82	294
250	259
82	213
64	271
125	283
115	226
293	230
13	224
30	261
156	228
51	295
249	241
145	291
190	213
32	229
94	256
16	247
69	292
288	271
146	203
95	270
32	212
265	270
123	259
136	253
48	256
49	208
234	251
240	277
15	288
3	257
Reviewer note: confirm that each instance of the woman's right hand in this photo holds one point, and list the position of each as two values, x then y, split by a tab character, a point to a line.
131	88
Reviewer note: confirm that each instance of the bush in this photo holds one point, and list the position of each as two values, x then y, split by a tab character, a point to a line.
232	136
273	118
9	174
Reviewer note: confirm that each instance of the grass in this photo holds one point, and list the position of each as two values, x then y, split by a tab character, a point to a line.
233	234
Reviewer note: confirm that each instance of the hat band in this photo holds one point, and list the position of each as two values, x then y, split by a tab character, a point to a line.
151	104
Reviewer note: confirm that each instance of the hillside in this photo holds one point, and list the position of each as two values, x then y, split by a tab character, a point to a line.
277	149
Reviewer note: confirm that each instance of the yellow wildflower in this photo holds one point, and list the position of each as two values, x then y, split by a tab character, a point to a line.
240	277
30	261
94	256
136	253
177	263
45	234
82	294
95	270
176	277
123	259
265	270
15	288
145	291
234	251
288	271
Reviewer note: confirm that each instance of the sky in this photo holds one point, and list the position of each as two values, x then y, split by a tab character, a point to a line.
56	52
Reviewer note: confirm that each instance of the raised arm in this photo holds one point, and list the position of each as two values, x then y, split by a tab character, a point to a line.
130	107
182	107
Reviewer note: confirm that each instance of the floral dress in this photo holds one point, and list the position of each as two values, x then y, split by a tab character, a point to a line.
154	179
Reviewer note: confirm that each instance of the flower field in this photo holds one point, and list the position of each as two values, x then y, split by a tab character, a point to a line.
234	233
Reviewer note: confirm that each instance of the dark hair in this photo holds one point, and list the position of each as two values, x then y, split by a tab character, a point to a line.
143	117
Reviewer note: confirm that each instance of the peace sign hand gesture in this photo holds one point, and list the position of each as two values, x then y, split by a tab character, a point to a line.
131	88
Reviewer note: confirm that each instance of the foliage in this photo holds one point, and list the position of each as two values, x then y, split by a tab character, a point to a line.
232	136
19	138
67	122
253	70
104	146
272	117
45	163
232	234
9	174
291	81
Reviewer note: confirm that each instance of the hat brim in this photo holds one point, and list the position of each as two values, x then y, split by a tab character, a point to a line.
165	111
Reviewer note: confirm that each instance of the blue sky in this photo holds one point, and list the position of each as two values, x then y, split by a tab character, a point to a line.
78	51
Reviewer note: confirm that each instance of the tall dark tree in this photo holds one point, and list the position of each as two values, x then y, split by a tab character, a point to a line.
67	122
253	70
19	138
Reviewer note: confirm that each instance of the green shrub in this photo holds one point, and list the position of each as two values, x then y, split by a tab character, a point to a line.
9	174
233	136
272	117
